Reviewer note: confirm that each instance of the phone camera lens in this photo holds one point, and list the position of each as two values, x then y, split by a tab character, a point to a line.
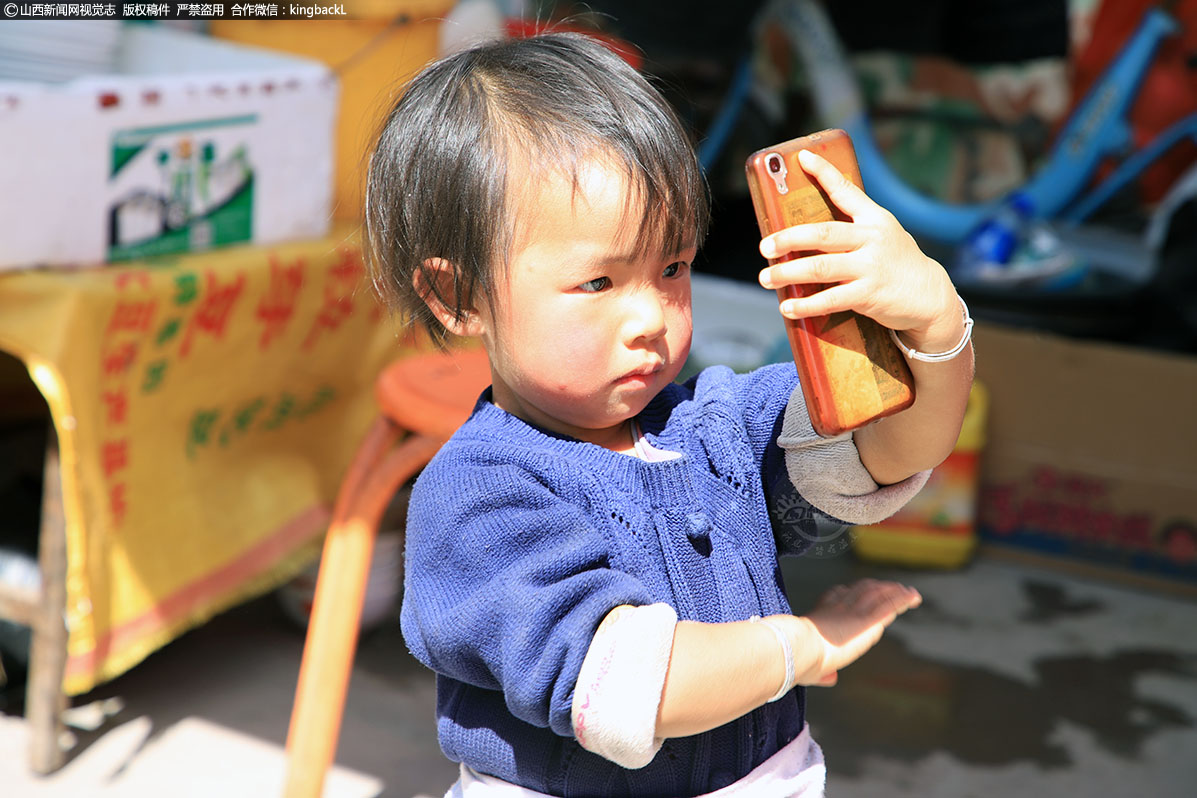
773	164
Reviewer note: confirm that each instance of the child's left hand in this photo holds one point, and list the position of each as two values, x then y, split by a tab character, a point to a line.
872	264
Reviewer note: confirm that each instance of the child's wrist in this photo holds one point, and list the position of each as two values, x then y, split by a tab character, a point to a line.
810	651
774	625
942	334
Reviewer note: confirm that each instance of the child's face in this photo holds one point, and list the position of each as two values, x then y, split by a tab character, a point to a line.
583	334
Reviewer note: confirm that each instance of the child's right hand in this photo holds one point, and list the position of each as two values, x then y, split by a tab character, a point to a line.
849	620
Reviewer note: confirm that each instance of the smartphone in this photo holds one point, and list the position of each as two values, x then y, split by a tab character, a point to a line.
850	370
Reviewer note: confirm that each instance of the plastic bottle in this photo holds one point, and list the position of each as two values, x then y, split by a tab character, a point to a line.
991	245
1013	248
937	528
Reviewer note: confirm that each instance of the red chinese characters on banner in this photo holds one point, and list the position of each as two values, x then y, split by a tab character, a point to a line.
277	305
117	405
132	318
114	456
160	319
117	360
117	503
343	280
212	314
138	276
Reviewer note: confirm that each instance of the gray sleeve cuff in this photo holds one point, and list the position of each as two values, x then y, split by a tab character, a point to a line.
827	472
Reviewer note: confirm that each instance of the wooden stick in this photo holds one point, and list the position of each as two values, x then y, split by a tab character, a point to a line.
337	607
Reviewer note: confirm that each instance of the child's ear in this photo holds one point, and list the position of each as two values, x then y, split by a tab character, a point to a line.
435	284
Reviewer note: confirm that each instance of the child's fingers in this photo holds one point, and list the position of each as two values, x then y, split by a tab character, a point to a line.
915	597
845	194
815	236
868	597
810	269
830	300
887	600
833	595
851	619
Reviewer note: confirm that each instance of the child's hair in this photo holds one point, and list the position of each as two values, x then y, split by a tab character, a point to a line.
437	184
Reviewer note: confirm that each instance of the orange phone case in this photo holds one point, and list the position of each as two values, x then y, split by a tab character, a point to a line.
850	370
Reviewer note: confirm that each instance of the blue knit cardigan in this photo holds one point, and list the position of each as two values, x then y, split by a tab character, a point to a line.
520	541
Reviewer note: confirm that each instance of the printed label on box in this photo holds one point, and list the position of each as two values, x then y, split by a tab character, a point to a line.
181	187
1073	513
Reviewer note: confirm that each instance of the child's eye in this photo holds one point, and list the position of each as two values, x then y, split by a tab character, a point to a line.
595	285
675	268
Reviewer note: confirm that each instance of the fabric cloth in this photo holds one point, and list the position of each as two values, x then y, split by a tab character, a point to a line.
645	450
619	687
796	771
206	407
853	496
520	542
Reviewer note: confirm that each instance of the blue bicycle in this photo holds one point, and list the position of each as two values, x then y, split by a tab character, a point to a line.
1096	130
1135	288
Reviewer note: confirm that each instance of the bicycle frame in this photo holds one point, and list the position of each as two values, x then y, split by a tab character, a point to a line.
1096	129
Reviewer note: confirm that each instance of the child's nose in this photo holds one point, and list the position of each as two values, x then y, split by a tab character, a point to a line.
645	316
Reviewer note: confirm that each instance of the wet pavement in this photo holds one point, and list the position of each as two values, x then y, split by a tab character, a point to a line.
1011	679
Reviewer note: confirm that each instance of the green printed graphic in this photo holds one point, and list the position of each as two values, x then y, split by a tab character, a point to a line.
323	396
286	404
187	288
169	330
181	188
154	374
244	418
213	425
122	154
241	421
201	429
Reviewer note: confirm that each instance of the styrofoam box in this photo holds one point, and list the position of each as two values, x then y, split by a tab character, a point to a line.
191	143
736	324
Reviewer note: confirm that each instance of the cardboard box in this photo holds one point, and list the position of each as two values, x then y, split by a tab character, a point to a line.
1091	452
374	58
192	143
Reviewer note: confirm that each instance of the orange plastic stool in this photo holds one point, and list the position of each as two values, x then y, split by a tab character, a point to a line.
428	396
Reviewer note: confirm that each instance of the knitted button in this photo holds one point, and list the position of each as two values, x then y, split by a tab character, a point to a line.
700	533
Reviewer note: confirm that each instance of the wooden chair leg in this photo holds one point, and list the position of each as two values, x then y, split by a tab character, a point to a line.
45	701
373	478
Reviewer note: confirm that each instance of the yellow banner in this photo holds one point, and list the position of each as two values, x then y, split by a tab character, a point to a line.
206	407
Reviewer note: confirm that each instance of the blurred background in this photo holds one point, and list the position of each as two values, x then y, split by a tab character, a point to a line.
191	354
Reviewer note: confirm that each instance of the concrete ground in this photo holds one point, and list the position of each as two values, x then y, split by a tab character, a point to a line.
1011	680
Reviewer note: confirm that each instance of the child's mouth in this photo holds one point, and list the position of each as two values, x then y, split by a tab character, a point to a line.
642	375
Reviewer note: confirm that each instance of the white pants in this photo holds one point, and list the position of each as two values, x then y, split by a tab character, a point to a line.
796	771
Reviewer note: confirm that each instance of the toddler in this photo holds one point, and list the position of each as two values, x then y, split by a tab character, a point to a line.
592	559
